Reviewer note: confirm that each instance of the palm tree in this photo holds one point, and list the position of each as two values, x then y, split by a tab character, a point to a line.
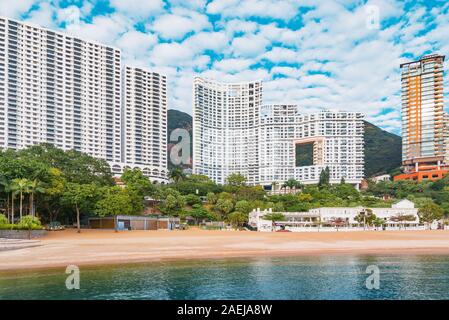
6	188
176	175
21	185
34	186
274	184
292	184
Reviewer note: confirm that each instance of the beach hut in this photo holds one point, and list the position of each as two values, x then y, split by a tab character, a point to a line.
121	222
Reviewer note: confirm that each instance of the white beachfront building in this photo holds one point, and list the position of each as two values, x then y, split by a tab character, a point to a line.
329	219
234	133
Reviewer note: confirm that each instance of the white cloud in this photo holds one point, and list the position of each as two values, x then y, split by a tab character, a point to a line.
175	26
135	45
171	54
15	9
324	56
105	29
284	10
249	45
279	54
43	15
138	8
233	65
215	41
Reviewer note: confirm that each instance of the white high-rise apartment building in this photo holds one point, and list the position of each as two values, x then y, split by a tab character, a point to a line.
62	90
234	133
331	139
144	122
225	129
58	89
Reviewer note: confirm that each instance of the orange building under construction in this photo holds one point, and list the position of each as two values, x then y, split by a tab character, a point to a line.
425	125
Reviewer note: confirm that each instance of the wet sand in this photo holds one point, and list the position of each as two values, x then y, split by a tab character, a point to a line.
101	247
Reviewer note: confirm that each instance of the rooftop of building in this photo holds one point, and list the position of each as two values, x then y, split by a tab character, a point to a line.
424	58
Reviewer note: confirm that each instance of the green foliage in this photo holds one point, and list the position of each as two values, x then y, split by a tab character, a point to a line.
324	178
192	199
29	223
237	219
200	213
224	206
243	206
172	202
76	166
236	180
116	201
292	183
430	212
196	183
383	151
378	222
3	220
275	216
211	198
136	181
176	175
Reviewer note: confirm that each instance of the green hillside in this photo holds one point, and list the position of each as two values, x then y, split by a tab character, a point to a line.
382	148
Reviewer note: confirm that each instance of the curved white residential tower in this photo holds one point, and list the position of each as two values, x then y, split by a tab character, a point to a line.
225	129
234	133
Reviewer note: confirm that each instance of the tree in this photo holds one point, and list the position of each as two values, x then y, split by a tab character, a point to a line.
3	220
82	197
237	219
429	213
224	206
324	178
211	198
76	166
243	206
192	199
29	223
117	201
365	217
34	187
176	174
21	185
378	222
51	200
135	180
292	184
200	213
172	202
10	189
236	180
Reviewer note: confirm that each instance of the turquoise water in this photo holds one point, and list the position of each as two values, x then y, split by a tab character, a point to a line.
324	277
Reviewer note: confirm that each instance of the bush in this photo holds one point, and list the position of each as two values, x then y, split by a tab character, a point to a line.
29	223
3	220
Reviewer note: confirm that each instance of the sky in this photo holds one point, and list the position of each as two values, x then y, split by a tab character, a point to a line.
321	54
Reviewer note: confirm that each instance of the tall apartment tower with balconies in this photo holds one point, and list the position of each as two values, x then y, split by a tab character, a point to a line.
144	122
424	137
234	133
225	129
58	89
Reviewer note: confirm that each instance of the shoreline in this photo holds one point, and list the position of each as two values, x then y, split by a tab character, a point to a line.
96	248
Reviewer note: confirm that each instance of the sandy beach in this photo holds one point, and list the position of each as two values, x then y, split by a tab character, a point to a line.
98	247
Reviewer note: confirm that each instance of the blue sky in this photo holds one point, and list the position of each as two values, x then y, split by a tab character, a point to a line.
318	54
